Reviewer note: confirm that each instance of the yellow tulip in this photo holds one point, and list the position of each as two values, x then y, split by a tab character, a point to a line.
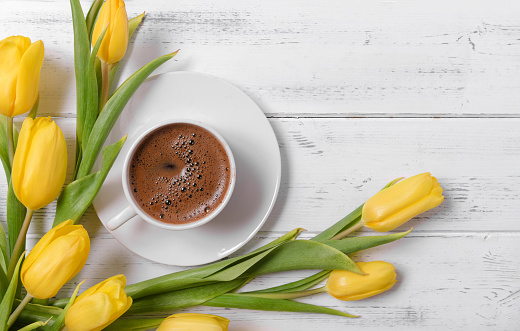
348	286
55	259
399	203
40	163
194	322
99	306
20	64
114	44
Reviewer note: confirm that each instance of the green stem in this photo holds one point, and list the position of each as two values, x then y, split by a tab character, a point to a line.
18	310
105	85
17	251
358	225
10	140
288	295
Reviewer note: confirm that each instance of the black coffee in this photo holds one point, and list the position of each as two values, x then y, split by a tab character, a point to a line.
179	173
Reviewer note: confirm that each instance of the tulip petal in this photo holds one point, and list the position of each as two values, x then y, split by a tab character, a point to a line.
401	217
348	286
55	266
119	35
40	254
44	242
28	78
399	203
20	156
40	163
99	306
12	50
90	313
384	203
369	294
102	20
195	322
118	279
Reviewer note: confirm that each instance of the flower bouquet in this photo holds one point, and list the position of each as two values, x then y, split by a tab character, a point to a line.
35	163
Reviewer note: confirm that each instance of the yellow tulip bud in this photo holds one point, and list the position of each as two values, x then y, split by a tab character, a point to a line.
20	64
40	163
348	286
194	322
114	44
399	203
99	306
55	259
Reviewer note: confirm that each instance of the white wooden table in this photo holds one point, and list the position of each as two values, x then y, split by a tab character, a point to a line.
358	93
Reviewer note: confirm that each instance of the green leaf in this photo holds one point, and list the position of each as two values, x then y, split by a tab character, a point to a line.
289	255
38	313
29	316
111	112
4	152
34	109
294	255
59	321
354	244
289	236
134	324
303	254
340	226
197	276
4	255
79	155
78	195
182	298
15	216
234	271
90	19
133	23
50	310
99	77
246	302
297	286
81	66
7	301
4	262
92	107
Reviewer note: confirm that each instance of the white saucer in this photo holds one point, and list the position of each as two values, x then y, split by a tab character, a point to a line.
244	126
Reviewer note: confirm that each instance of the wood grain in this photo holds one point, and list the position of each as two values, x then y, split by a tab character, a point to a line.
358	93
301	58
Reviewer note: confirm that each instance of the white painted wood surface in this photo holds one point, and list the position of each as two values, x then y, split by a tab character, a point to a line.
358	93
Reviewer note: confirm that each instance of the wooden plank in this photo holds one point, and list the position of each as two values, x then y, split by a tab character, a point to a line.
446	281
296	58
329	167
312	67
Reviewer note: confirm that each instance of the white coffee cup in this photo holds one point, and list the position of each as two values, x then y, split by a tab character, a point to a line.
133	208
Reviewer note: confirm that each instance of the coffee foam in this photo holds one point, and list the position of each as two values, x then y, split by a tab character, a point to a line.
179	173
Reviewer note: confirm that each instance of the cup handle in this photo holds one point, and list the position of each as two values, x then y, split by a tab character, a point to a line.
121	218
